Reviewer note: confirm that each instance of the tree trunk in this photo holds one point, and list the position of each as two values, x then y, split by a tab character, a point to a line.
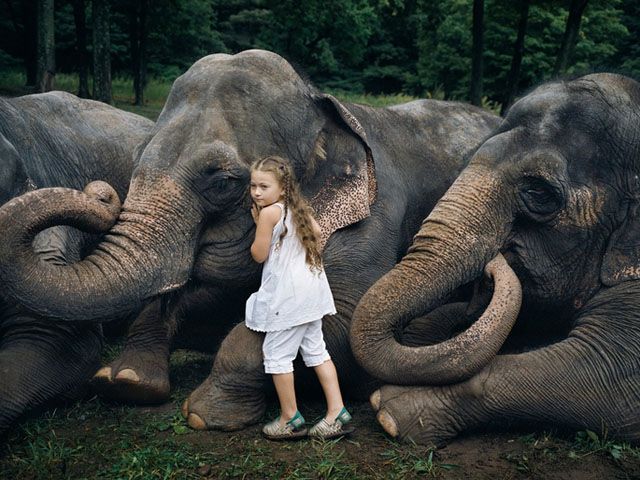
516	61
138	37
81	47
25	27
576	9
46	46
101	51
476	52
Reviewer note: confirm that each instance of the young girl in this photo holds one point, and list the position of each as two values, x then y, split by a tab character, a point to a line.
293	297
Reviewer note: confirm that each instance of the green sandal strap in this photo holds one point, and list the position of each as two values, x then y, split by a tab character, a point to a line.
344	416
297	421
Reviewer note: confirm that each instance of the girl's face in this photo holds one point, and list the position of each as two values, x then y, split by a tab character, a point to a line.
265	188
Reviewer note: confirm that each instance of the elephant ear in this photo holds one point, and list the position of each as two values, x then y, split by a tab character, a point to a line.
621	261
13	178
339	180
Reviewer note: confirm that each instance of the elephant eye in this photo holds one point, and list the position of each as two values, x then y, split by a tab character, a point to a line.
540	197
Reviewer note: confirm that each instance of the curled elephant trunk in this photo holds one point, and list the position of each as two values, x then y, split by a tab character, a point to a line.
457	241
148	249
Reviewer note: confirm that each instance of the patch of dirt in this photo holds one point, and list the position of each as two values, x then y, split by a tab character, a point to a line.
478	456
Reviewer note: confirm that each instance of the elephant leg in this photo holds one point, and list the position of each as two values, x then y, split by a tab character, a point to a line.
233	396
42	361
578	383
140	374
437	326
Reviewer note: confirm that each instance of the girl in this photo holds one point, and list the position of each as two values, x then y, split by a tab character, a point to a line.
293	297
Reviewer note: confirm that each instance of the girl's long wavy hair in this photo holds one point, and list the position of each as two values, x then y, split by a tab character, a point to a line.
295	202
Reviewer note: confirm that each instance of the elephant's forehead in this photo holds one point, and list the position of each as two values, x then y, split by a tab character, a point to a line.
260	64
541	110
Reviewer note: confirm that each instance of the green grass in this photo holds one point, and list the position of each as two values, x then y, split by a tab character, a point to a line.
12	83
372	100
588	442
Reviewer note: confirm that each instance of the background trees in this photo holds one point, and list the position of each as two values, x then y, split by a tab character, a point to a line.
416	47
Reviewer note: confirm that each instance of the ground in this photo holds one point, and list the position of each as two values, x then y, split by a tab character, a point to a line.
95	439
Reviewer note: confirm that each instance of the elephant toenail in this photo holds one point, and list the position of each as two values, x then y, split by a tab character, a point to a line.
185	408
374	399
128	375
103	373
196	422
388	423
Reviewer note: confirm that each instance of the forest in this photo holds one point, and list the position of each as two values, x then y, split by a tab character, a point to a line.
482	51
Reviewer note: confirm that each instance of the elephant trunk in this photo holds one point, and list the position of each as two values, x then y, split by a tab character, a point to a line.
148	251
454	245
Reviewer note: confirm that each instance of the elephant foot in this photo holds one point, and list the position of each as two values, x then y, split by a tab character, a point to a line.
145	383
214	407
233	396
416	414
193	419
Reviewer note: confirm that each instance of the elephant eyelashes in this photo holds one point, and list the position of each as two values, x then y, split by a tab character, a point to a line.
540	198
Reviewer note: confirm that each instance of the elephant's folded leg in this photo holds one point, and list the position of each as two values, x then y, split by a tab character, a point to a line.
573	384
437	326
140	373
233	396
41	361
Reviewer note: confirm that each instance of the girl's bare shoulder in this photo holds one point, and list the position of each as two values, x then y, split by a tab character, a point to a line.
271	213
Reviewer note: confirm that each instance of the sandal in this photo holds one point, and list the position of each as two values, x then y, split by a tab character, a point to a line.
325	430
292	430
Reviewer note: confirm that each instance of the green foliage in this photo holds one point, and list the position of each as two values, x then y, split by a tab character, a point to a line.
411	47
410	463
588	442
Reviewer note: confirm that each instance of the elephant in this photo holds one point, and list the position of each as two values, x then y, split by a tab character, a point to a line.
544	219
181	246
46	140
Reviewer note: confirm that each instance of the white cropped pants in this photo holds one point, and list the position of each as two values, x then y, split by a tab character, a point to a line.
281	347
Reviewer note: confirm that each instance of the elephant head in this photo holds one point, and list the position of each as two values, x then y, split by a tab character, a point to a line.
185	215
557	182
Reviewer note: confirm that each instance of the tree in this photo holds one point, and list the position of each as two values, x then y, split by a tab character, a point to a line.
576	9
46	56
476	52
81	47
138	37
101	51
516	61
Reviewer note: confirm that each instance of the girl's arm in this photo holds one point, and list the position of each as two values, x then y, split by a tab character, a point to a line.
267	219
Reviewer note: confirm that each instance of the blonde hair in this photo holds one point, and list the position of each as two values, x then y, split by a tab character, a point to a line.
294	201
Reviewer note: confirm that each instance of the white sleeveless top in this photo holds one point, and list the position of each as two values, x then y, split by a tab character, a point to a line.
290	292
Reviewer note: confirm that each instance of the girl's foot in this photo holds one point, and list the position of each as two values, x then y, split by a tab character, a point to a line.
325	429
291	430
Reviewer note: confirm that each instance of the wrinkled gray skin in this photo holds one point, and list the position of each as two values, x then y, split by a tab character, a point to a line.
57	139
556	191
182	240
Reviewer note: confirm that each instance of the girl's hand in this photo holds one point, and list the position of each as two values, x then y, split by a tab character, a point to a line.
255	211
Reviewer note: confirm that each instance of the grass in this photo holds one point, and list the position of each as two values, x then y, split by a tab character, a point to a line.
12	83
95	439
155	93
588	442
